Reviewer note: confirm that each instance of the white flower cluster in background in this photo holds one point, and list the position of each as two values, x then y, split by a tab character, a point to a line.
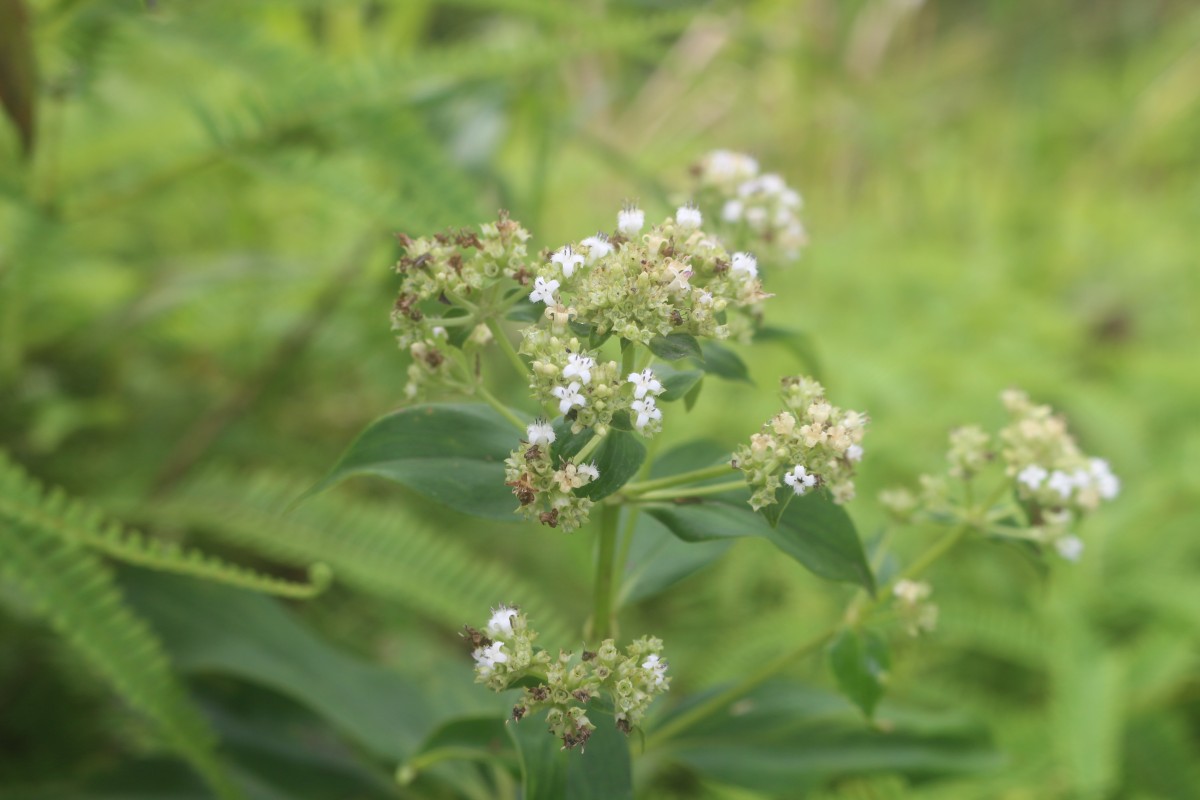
754	207
564	686
913	607
809	444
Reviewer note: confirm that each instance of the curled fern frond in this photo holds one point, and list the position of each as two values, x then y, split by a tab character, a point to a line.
73	589
375	547
25	503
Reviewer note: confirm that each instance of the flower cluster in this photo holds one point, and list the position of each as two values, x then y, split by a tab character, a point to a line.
913	607
1044	470
675	278
754	206
809	444
447	267
566	685
547	491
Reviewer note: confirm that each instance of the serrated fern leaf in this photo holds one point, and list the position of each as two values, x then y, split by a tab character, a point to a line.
375	547
24	502
76	593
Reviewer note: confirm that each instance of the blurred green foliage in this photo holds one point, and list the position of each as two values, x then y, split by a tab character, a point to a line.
196	204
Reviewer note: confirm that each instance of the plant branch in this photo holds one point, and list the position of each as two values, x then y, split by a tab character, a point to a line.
605	559
696	491
502	340
695	476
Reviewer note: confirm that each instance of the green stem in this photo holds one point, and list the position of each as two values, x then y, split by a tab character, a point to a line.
504	410
743	687
698	491
854	615
605	560
502	339
628	355
695	476
588	448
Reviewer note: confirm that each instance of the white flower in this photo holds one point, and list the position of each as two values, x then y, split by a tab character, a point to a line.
657	669
589	470
630	220
644	382
1107	484
790	198
854	452
488	657
597	247
568	259
579	367
543	291
799	479
646	410
1032	476
1069	547
1062	483
439	331
688	217
569	396
679	277
911	592
540	432
744	262
500	625
732	211
704	297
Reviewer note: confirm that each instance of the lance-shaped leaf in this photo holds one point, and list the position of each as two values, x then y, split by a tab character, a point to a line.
452	453
860	664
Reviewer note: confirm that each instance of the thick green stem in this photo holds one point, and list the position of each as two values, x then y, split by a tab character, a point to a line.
605	562
697	491
502	339
695	476
743	687
588	448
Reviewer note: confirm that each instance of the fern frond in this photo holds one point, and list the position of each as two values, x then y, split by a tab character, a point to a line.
373	546
76	593
24	502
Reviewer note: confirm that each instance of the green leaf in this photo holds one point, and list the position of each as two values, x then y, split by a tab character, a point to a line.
600	771
819	534
813	530
689	399
658	560
860	664
675	346
603	770
209	628
797	343
724	363
18	70
677	383
452	453
618	458
788	739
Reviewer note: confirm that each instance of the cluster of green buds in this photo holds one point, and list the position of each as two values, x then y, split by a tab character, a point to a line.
675	278
547	491
808	445
1052	481
754	207
567	686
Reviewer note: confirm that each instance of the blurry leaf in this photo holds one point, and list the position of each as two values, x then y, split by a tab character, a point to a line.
724	363
209	628
526	311
675	346
860	664
813	530
599	771
483	738
774	512
799	344
658	560
677	383
618	458
452	453
603	770
18	70
786	739
689	399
